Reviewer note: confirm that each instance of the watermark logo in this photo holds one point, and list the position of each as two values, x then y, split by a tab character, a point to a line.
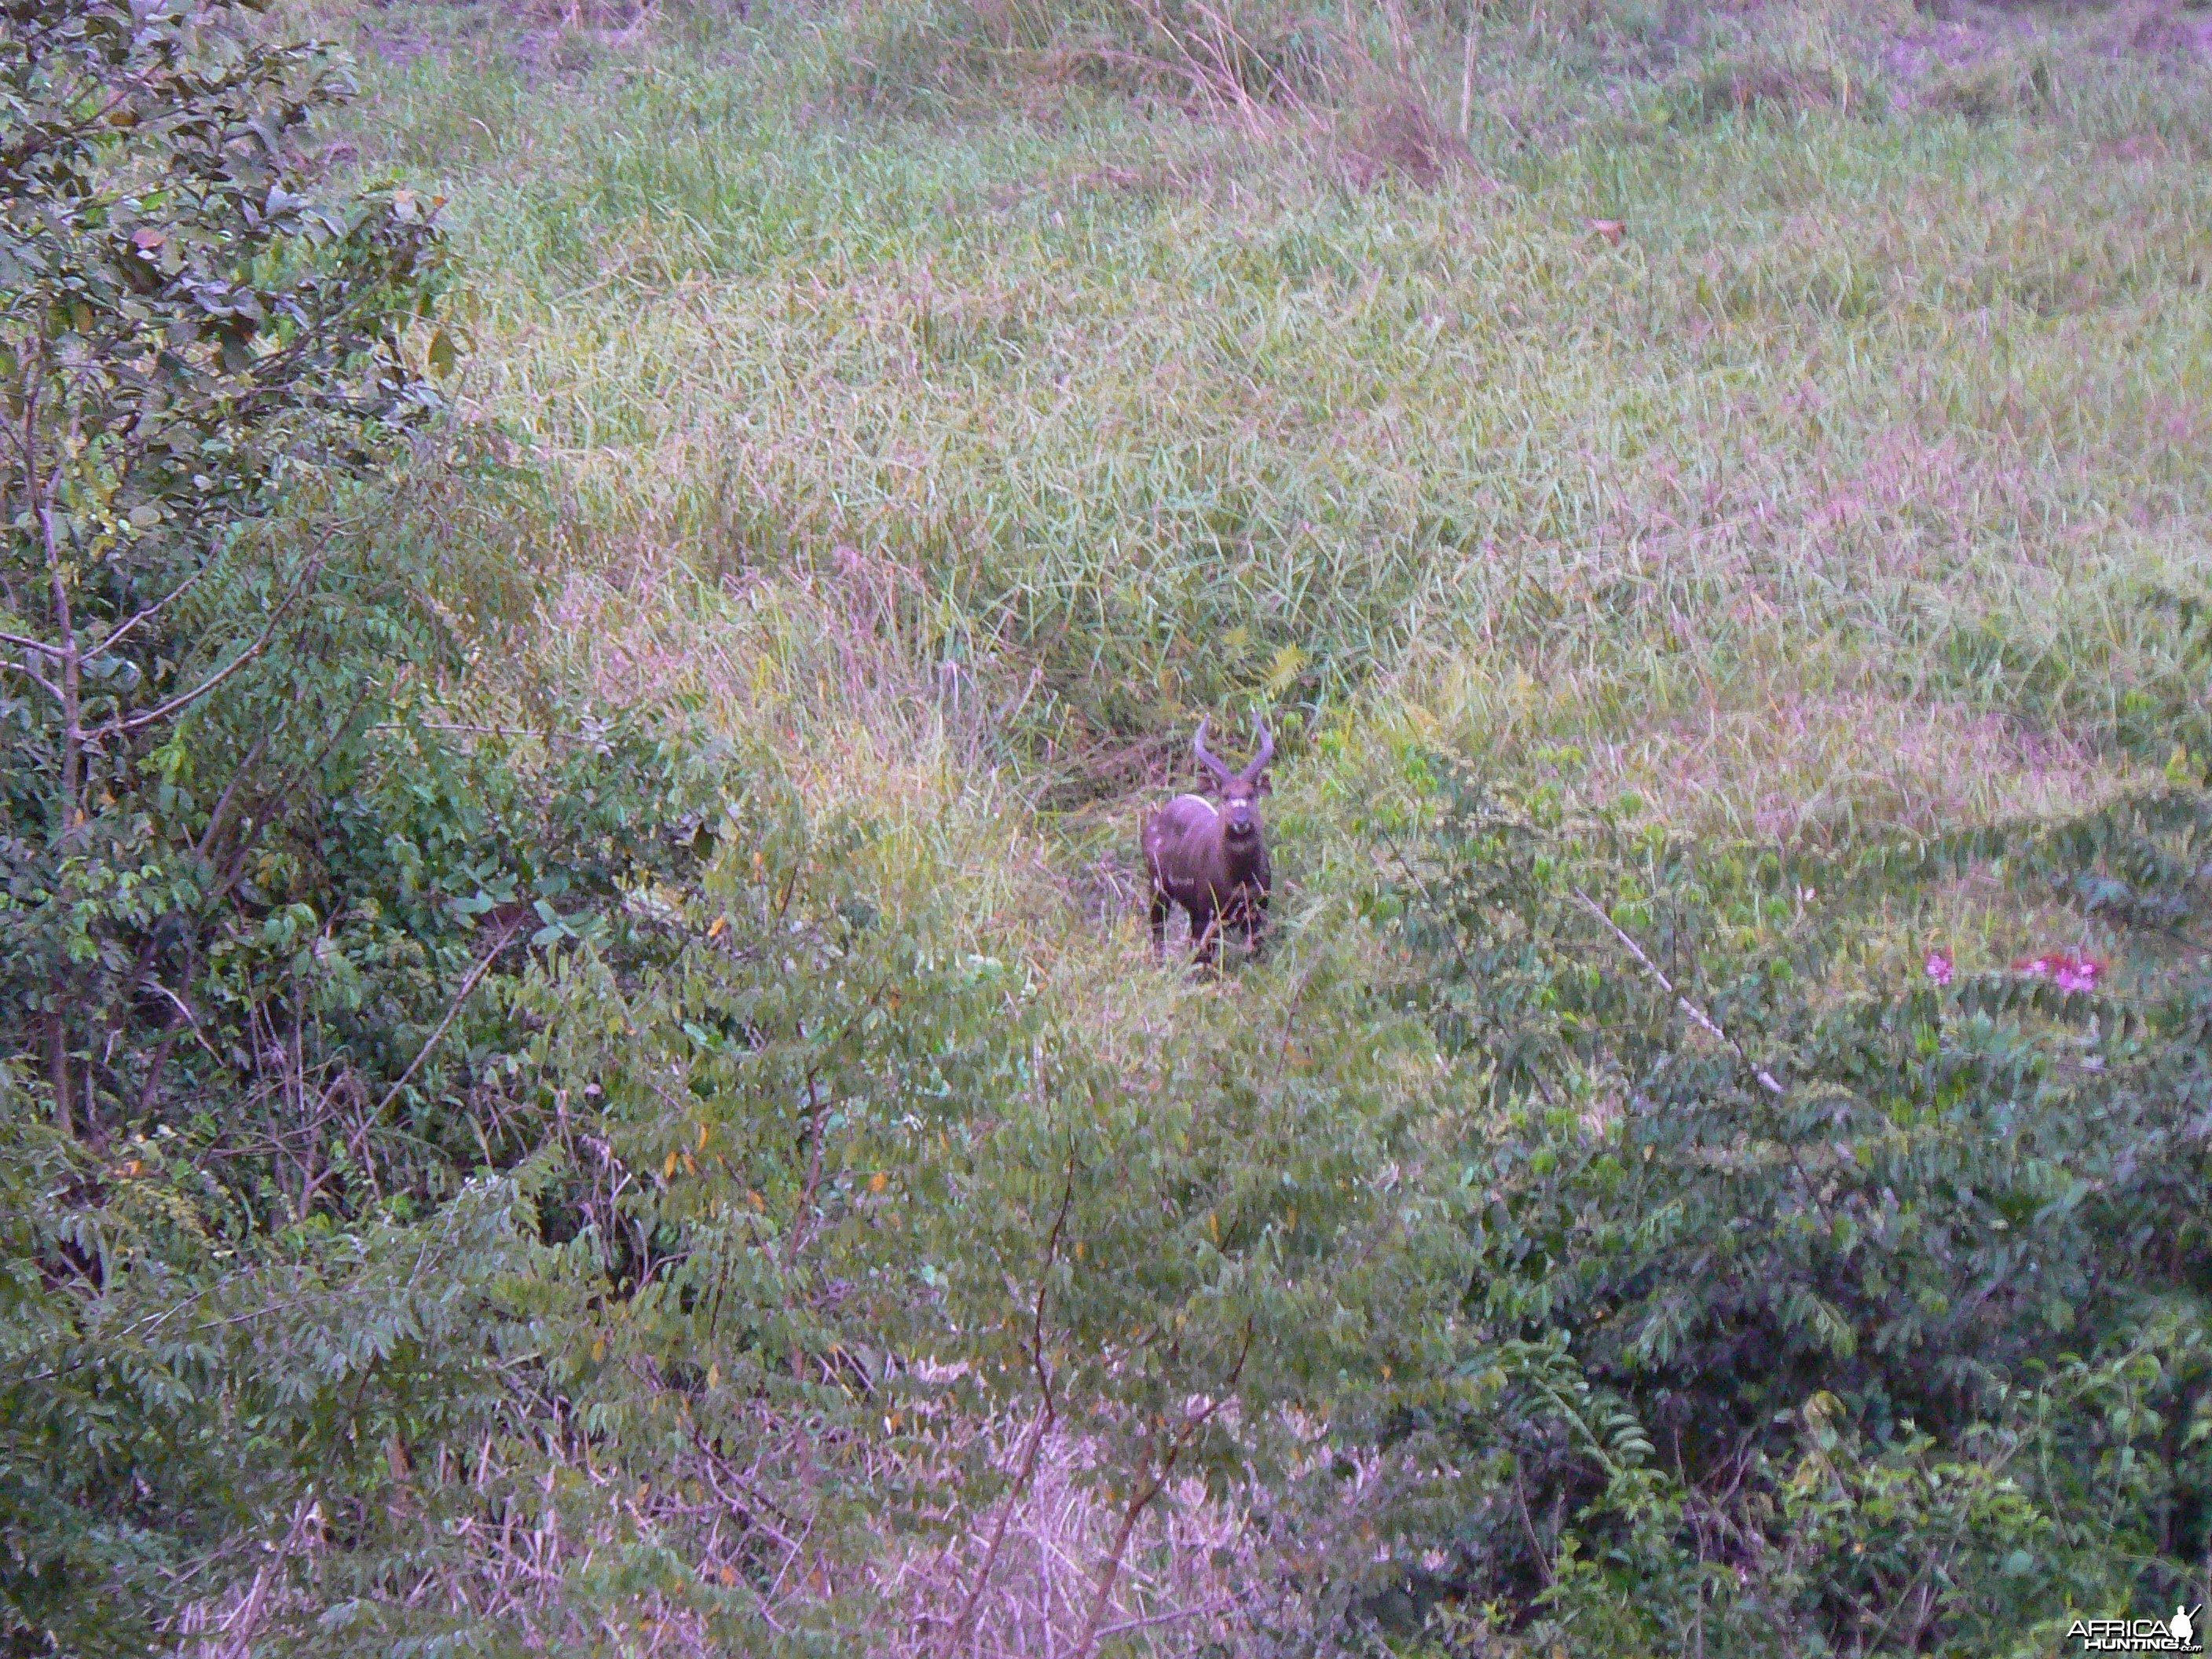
2176	1635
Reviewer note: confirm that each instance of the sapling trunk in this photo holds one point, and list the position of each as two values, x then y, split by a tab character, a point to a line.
69	684
1110	1573
963	1625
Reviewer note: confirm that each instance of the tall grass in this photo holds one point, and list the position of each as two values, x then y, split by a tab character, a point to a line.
1874	408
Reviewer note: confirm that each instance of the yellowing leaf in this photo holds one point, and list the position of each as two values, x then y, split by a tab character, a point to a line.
878	1182
668	1166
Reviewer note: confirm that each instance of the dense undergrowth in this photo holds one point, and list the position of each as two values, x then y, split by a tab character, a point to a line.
1876	1314
588	627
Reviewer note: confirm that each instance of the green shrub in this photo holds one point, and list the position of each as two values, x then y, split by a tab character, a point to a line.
256	883
1821	1309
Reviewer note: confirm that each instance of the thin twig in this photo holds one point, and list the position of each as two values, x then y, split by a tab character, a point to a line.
1168	1617
145	718
962	1627
218	817
1529	1526
479	731
24	642
114	635
1699	1015
185	1009
459	997
34	676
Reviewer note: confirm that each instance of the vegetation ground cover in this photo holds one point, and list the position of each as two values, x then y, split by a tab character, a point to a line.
674	1143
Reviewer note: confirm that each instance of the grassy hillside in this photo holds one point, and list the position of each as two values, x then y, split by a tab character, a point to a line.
1804	508
1753	467
1857	429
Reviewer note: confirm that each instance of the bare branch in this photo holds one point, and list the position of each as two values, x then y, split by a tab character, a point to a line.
145	718
34	676
1699	1015
115	635
459	997
218	817
23	642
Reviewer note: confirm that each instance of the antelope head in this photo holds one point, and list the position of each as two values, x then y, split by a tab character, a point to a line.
1240	791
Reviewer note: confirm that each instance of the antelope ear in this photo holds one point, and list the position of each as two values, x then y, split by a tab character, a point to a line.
1266	783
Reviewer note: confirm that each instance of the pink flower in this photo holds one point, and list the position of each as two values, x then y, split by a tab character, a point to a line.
2063	969
1938	968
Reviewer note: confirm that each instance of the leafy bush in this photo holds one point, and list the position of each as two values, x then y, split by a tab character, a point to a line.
464	1184
256	885
192	341
1821	1309
843	1185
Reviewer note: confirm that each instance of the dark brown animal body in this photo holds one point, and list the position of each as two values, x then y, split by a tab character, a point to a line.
1213	860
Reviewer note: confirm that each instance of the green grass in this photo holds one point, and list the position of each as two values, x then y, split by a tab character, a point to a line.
1822	504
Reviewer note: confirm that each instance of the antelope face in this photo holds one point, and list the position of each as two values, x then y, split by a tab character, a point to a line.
1240	790
1240	808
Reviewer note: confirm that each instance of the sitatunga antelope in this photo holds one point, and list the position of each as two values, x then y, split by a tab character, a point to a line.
1213	860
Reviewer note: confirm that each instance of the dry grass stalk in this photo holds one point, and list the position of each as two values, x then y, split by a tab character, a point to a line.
1193	1572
